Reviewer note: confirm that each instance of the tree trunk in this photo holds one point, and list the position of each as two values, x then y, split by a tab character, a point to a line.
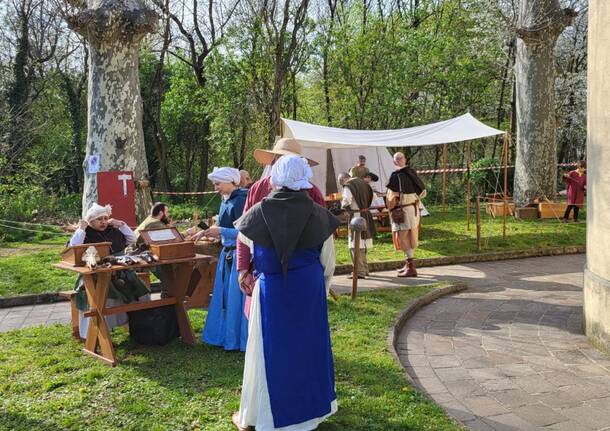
114	29
77	123
18	95
540	23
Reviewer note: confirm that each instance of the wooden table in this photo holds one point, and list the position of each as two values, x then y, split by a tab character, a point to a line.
177	273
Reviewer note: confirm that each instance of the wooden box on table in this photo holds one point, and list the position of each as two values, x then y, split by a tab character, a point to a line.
73	255
168	243
209	248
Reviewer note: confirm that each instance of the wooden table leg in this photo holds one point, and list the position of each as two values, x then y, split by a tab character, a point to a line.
98	332
178	276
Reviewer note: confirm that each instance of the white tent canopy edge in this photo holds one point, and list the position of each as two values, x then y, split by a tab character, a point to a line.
346	145
462	128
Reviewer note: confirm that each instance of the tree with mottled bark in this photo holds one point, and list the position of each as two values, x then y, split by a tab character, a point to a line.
540	22
114	30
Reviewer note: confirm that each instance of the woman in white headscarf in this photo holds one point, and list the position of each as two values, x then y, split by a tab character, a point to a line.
288	375
125	286
226	325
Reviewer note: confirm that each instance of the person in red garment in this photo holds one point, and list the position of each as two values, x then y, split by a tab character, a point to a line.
261	188
577	184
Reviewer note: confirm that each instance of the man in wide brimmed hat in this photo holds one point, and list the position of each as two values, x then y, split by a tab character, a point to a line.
261	188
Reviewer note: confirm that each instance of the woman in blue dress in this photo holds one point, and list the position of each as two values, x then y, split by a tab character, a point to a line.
288	374
226	324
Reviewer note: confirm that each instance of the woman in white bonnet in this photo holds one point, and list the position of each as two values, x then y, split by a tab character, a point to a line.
125	287
226	325
288	374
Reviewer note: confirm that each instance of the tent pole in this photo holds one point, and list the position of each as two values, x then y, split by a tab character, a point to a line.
444	186
505	154
478	206
468	186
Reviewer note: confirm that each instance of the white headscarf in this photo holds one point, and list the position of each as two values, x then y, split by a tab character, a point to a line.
96	211
292	172
225	175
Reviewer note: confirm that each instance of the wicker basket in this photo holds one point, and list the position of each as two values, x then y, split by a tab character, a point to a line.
208	248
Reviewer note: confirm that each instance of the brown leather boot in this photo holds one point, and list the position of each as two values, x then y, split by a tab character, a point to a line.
403	269
411	271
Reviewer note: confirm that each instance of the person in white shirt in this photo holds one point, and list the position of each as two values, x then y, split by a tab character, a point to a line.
125	286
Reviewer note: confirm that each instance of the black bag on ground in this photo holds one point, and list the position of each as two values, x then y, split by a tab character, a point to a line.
154	326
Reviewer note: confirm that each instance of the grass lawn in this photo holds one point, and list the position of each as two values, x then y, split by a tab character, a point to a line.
447	235
47	384
26	267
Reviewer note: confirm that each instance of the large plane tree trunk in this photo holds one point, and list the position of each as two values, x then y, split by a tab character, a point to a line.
114	29
540	24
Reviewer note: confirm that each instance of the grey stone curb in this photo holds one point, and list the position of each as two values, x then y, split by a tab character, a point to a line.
410	310
405	315
391	265
47	298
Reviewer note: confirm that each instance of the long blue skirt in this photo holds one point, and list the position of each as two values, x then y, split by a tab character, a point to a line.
296	336
226	324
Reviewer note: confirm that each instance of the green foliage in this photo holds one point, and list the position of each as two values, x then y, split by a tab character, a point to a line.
46	383
25	201
484	181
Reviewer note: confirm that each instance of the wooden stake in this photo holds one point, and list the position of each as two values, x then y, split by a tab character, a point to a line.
478	207
468	185
356	259
444	185
505	155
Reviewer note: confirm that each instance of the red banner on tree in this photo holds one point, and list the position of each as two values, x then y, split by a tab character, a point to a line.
118	189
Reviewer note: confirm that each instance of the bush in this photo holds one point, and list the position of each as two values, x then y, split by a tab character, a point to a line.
485	182
31	203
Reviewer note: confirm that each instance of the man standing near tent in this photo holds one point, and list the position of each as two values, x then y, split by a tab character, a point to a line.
360	170
357	199
261	188
405	189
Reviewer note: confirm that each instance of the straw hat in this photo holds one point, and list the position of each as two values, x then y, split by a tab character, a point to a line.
284	146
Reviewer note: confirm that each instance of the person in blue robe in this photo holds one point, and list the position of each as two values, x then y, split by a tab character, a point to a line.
288	379
226	324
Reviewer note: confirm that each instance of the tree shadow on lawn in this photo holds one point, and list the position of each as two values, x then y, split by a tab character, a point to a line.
17	421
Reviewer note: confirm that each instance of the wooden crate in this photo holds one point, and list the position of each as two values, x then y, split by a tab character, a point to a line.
177	250
525	213
73	255
497	209
208	248
551	209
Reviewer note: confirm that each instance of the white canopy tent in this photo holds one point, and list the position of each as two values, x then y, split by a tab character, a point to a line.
346	145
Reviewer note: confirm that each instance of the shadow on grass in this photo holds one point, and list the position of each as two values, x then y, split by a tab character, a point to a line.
17	421
45	379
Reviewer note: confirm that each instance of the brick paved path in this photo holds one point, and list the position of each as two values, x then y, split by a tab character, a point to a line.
509	353
506	354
